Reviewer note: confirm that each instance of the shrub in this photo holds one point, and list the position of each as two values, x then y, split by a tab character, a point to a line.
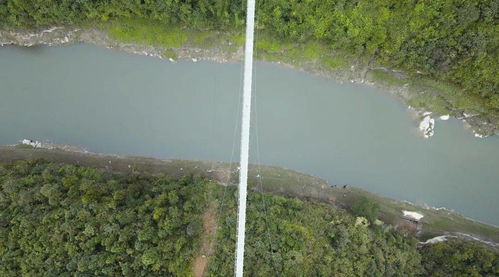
366	208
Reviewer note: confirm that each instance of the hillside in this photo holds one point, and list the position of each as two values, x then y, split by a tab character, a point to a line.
57	219
272	179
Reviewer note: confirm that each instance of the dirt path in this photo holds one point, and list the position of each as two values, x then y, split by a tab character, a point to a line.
200	264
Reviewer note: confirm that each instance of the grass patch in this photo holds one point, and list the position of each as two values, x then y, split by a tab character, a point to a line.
268	45
204	39
24	146
386	78
441	97
169	53
333	62
457	97
147	33
269	56
293	53
429	101
313	50
236	38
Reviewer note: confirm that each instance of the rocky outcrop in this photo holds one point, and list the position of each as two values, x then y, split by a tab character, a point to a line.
63	36
50	37
427	125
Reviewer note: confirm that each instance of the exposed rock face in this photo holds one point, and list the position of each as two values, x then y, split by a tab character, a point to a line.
48	145
50	37
413	215
63	35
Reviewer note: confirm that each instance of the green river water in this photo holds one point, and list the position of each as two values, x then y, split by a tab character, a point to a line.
112	102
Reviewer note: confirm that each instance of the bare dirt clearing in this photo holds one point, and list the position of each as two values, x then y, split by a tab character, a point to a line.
207	241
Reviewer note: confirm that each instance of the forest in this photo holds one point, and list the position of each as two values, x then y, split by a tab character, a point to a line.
64	220
455	41
59	219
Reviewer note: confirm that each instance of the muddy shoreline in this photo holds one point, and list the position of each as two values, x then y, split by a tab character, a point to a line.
270	179
357	72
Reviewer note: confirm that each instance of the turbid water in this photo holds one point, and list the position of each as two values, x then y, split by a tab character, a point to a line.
112	102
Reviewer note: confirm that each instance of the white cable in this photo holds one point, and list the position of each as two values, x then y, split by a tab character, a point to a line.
245	130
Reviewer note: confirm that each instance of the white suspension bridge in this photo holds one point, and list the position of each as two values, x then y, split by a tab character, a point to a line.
245	132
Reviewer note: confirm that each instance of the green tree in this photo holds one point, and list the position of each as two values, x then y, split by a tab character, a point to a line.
458	258
366	208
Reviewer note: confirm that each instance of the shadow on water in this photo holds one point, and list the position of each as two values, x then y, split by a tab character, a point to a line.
31	50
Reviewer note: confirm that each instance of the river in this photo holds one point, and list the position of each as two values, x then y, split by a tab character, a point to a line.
111	102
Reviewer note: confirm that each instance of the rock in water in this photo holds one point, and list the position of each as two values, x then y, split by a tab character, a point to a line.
427	126
34	143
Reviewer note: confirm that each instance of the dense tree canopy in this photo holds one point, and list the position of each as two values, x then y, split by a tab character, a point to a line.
296	238
60	220
457	258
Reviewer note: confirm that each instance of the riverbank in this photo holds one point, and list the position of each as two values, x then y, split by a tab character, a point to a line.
275	180
428	99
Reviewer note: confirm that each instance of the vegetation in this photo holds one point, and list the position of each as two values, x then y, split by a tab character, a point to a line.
366	208
57	220
458	258
298	238
449	40
140	32
278	181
